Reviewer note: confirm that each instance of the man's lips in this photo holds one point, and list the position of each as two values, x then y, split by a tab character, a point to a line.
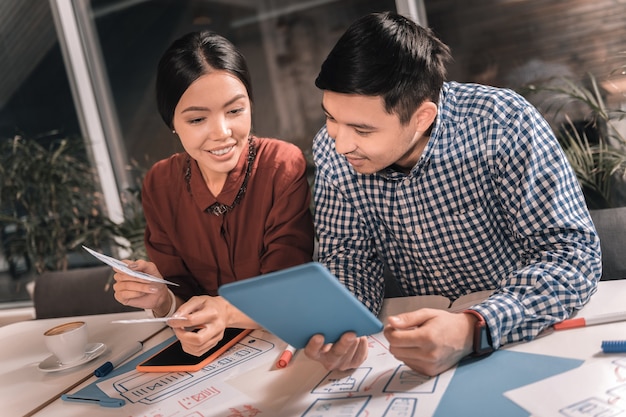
355	159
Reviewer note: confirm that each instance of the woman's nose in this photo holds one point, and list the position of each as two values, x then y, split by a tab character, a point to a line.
219	130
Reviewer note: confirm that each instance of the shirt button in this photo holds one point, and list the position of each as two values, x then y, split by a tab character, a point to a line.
406	182
418	230
437	273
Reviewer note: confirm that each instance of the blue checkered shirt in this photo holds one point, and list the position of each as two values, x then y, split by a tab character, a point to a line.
492	203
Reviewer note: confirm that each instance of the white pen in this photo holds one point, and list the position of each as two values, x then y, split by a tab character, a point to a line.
149	320
107	367
590	321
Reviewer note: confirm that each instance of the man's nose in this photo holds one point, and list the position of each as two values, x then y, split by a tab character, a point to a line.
343	143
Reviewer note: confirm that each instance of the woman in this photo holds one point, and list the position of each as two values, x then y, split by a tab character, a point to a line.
231	207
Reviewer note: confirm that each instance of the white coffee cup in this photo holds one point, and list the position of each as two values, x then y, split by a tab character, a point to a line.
67	341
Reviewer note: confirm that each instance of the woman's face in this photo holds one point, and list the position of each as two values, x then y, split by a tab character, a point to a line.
213	120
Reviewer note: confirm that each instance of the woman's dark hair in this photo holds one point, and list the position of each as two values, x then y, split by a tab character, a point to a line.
190	57
388	55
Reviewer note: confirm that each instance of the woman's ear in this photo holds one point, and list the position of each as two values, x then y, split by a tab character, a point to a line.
424	116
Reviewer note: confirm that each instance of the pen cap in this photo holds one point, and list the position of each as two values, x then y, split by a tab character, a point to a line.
104	370
570	324
614	346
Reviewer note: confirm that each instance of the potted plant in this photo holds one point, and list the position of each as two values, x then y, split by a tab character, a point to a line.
48	201
591	134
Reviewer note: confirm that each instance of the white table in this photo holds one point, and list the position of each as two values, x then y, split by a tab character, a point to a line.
584	343
24	386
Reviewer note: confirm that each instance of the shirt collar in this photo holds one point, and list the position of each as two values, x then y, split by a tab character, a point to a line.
200	192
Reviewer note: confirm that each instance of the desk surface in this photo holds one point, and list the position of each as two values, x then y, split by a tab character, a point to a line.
23	386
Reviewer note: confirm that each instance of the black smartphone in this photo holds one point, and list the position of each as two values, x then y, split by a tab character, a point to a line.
173	358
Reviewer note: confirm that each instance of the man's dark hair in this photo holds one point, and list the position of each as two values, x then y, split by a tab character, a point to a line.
388	55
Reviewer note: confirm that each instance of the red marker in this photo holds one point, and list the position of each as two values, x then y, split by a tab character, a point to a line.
590	321
286	356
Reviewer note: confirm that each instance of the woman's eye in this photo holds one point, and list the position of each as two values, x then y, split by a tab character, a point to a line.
195	121
237	111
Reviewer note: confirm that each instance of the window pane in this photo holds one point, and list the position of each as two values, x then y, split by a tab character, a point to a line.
35	103
284	44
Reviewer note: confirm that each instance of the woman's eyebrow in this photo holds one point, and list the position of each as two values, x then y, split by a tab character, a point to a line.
228	103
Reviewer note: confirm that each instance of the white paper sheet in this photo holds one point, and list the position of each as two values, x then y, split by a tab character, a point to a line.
596	389
117	264
382	386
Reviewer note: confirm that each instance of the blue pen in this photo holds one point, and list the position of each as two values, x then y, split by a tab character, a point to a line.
107	367
614	346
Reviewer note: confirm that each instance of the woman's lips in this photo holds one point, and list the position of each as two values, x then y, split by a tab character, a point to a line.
221	151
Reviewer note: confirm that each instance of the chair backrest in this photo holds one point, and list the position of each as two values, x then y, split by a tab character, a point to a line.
76	292
611	227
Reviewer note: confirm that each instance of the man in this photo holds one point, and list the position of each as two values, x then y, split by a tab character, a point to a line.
456	188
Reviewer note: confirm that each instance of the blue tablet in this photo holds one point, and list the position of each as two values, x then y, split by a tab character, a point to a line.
299	302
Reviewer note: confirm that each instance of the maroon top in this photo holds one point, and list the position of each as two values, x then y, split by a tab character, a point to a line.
270	229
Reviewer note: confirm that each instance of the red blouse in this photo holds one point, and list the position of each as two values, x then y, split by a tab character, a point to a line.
270	229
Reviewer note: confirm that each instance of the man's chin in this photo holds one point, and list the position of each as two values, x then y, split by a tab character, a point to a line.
360	165
365	170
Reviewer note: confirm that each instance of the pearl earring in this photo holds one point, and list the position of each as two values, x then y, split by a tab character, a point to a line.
173	131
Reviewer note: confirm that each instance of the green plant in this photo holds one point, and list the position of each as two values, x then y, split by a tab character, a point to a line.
48	196
593	143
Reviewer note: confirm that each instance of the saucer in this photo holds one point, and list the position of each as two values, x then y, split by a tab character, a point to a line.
52	364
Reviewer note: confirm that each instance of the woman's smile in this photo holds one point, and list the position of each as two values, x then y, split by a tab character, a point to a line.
222	151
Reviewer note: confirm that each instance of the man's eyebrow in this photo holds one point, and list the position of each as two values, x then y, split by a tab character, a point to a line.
360	126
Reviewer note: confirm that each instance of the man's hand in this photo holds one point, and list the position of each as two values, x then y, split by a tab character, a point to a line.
347	353
430	341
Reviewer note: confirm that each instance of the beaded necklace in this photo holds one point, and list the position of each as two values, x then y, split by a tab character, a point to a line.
219	209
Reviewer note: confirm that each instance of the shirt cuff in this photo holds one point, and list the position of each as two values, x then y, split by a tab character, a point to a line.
150	312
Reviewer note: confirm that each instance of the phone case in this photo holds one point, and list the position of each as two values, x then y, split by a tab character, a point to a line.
173	358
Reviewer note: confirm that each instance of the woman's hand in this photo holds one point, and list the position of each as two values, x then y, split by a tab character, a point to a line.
135	292
205	319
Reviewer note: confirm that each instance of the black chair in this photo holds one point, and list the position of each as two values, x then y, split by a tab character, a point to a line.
611	227
76	292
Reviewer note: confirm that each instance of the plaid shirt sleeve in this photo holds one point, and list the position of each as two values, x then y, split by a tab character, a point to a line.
545	212
492	204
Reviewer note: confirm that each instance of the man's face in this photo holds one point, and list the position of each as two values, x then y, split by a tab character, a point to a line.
370	138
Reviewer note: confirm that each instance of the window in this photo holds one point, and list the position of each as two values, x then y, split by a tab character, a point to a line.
105	58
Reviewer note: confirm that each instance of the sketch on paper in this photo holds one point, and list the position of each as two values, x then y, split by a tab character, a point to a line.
382	386
148	388
591	390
